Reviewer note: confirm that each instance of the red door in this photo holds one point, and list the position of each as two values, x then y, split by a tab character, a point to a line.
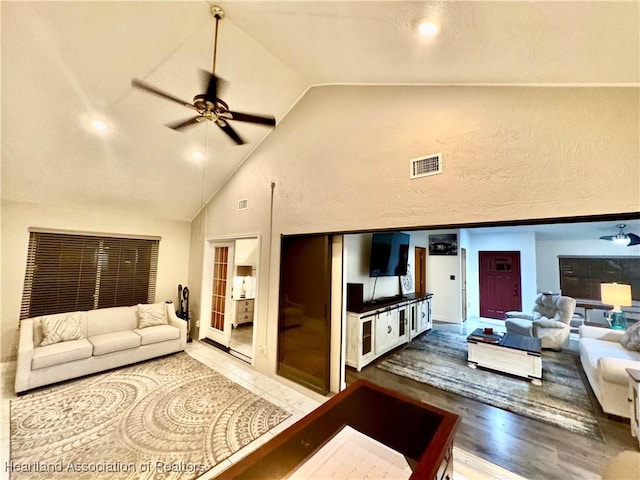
499	283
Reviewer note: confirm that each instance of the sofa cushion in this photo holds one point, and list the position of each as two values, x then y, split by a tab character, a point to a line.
158	333
150	315
59	353
60	328
109	320
596	349
631	337
114	342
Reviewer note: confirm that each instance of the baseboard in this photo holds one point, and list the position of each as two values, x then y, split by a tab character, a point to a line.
447	320
213	343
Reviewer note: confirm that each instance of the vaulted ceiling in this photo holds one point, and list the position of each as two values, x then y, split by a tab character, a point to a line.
65	64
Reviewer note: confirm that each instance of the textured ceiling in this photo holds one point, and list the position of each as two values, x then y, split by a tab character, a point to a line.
65	62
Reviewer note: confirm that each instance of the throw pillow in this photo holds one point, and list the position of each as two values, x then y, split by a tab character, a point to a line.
152	314
631	337
60	328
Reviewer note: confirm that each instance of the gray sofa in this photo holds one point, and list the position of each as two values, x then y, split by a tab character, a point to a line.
97	340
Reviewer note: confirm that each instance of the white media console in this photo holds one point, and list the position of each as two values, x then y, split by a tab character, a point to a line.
377	328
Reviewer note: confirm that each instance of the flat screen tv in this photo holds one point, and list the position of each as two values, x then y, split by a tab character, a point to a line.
389	254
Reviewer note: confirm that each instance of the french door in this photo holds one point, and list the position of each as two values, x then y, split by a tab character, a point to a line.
216	305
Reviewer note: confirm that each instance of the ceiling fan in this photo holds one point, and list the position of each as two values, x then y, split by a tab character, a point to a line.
208	105
627	239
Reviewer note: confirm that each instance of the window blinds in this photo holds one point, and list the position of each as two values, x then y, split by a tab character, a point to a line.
69	272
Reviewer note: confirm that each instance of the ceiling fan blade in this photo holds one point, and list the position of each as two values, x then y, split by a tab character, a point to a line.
151	89
184	123
229	131
607	237
212	84
246	117
634	239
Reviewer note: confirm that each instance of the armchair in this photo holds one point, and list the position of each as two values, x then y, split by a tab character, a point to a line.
550	320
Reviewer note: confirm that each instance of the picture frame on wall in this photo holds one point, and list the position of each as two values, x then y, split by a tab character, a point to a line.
443	244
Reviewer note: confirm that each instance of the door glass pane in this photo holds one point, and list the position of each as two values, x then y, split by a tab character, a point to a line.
501	265
219	294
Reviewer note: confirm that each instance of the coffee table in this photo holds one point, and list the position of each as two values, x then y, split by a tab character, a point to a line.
508	353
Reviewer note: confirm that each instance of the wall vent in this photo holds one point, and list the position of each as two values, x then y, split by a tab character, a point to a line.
243	204
425	166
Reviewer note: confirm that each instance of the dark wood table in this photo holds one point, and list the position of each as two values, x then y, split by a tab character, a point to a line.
421	432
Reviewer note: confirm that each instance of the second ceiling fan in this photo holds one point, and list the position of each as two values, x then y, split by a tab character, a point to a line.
208	105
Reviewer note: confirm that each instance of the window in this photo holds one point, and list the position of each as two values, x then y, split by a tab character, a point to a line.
581	276
69	272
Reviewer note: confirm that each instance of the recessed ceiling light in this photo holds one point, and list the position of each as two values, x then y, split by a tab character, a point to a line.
99	125
197	155
427	28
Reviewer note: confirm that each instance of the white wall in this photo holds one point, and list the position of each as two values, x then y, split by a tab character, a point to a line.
173	254
445	305
357	267
340	161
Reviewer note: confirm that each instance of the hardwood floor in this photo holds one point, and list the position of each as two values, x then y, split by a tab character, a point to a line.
530	448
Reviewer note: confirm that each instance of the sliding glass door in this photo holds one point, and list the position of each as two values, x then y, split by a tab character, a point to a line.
304	313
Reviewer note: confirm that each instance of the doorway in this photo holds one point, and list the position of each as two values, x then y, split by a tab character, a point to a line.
500	283
420	257
229	296
243	298
304	319
463	282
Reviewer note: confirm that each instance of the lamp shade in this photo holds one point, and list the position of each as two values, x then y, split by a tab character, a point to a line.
244	271
615	294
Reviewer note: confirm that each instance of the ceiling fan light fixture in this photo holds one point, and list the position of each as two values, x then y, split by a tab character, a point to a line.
209	106
621	239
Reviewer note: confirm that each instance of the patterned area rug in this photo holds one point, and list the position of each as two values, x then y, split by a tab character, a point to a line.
439	358
169	418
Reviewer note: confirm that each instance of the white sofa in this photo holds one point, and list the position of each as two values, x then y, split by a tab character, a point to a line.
111	338
604	361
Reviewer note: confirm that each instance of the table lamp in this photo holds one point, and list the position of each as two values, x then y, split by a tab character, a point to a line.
244	271
618	295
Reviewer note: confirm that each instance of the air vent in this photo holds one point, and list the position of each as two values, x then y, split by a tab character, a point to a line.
243	204
425	166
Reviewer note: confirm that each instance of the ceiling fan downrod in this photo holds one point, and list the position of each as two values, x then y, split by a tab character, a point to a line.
218	14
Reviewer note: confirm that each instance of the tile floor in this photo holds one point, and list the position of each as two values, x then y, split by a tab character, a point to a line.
292	398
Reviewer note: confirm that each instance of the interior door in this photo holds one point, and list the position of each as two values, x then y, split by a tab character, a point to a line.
221	275
420	256
304	323
499	283
463	282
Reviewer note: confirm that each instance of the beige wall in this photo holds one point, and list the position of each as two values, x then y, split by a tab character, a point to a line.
173	255
340	161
